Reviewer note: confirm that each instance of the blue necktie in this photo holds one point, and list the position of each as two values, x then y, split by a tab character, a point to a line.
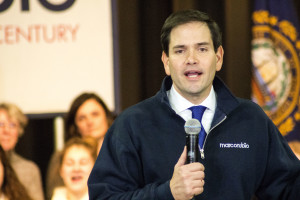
197	113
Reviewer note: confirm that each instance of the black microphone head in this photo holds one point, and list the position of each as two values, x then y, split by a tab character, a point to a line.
192	126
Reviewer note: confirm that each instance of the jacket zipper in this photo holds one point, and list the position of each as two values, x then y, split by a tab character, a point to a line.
202	149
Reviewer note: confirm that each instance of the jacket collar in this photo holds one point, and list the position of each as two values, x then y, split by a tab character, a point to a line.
226	101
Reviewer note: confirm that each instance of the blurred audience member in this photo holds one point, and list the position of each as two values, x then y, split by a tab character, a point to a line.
88	116
11	187
12	124
76	162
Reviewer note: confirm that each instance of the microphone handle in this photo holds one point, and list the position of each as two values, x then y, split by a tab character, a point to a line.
192	148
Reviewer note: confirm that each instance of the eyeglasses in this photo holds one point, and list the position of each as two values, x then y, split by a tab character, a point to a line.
10	125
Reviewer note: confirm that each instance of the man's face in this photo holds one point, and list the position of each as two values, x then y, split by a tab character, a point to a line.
192	61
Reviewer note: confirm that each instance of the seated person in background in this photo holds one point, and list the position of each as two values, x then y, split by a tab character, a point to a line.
88	116
76	162
11	187
12	124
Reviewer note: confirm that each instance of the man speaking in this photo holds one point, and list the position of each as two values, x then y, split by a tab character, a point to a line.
242	153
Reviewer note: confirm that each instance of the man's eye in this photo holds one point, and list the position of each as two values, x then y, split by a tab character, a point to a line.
179	51
202	49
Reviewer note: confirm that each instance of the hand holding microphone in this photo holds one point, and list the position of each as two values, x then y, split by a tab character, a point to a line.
188	176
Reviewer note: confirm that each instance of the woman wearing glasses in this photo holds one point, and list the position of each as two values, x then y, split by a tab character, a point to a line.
12	124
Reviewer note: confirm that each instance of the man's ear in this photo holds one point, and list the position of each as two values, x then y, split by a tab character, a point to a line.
219	58
165	60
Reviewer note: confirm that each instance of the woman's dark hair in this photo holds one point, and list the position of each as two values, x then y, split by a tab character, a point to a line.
187	16
12	188
71	129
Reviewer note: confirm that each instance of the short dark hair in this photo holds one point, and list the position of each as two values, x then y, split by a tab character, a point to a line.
184	17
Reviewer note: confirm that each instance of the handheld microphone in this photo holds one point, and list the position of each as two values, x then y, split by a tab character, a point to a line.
192	128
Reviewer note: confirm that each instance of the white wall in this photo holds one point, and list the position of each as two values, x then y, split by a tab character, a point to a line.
48	57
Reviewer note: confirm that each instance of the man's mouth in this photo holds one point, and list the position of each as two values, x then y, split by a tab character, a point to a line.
192	74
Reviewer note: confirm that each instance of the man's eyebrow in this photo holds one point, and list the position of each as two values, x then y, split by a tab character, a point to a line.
202	43
179	46
183	46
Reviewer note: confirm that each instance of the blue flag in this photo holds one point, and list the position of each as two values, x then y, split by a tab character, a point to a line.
276	65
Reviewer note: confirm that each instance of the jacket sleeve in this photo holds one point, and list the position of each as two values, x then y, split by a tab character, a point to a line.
118	171
282	173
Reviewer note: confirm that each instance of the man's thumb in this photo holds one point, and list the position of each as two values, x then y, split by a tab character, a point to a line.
182	159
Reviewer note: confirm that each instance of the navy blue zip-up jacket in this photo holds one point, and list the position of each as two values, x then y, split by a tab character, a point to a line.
244	153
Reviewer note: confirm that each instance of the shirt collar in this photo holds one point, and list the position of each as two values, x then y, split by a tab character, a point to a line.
179	103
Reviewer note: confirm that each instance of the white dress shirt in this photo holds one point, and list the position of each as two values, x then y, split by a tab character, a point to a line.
181	106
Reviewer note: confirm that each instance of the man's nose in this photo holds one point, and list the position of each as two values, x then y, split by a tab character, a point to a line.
191	57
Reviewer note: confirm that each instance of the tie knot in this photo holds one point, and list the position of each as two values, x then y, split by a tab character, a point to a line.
197	112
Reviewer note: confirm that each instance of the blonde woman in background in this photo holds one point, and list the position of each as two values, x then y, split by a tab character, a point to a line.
12	124
77	160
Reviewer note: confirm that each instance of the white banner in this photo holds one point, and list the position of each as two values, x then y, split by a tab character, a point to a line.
52	50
